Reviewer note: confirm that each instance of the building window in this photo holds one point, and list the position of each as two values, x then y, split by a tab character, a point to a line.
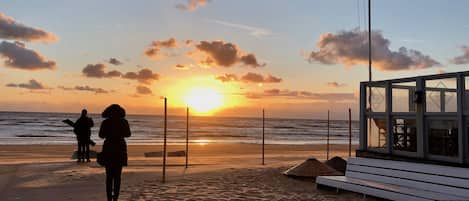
443	137
377	132
404	134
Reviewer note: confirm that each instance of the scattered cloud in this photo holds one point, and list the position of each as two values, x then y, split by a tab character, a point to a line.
17	56
249	78
336	84
226	54
145	76
192	5
272	93
227	77
32	85
351	48
182	67
98	71
464	58
85	88
254	31
154	50
115	61
143	90
10	29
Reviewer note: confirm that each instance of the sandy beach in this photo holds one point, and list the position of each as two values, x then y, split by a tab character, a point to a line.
216	172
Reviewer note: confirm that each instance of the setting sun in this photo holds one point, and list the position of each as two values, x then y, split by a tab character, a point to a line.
204	100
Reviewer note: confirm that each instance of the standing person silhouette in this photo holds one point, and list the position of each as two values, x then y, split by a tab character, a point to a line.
82	129
114	129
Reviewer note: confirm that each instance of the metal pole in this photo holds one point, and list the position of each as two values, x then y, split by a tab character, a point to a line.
164	142
369	41
187	136
369	68
263	136
327	155
349	132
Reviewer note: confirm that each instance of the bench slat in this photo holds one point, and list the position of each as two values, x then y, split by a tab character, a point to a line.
462	173
405	175
416	193
409	183
388	191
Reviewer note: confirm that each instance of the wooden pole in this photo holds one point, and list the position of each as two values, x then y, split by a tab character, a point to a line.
349	132
164	141
263	136
328	116
187	136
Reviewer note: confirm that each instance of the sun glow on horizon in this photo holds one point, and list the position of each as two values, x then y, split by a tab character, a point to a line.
204	101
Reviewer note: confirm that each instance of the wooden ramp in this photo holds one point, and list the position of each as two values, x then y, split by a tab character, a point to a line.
397	180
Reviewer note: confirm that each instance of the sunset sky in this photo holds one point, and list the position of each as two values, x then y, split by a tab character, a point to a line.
296	59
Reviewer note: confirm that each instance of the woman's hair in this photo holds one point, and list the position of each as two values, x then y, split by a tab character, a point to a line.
113	111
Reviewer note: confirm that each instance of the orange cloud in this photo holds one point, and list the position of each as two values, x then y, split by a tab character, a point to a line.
249	78
351	48
32	85
154	50
17	56
226	54
13	30
192	5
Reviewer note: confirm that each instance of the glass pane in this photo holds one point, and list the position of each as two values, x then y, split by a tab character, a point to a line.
441	95
443	137
378	99
402	97
377	133
404	135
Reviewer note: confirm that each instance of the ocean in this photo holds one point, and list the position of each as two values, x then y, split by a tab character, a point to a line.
48	128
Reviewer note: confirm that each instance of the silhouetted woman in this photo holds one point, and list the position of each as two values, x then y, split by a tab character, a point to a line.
114	129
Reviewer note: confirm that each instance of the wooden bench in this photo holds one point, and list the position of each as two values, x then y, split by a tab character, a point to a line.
397	180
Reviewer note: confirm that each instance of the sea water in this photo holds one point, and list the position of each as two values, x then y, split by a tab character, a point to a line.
48	128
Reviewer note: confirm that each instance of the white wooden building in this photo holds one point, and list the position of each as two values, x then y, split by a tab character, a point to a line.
414	142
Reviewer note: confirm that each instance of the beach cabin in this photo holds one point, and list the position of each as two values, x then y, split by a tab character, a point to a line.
414	142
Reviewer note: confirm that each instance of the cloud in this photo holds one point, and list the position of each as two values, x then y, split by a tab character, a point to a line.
32	85
143	90
181	67
254	31
464	58
226	54
273	93
192	5
85	88
336	84
98	71
115	61
227	77
17	56
351	48
145	76
249	78
154	50
13	30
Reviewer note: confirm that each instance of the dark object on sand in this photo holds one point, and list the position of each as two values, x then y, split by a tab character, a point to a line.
72	124
153	154
160	154
311	168
92	154
337	163
177	154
